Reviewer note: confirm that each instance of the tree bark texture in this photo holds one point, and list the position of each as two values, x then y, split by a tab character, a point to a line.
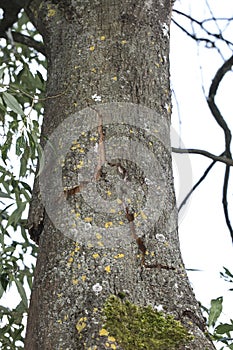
116	51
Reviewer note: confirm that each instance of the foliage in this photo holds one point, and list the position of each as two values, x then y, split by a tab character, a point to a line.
21	96
220	332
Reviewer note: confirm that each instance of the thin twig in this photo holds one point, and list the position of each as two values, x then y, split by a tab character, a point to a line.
227	65
202	178
222	159
225	202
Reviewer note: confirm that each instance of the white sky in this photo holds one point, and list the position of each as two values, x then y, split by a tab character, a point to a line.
205	240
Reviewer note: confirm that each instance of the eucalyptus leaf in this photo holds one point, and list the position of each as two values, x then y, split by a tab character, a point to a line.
2	70
12	103
20	145
15	217
224	328
1	290
215	310
21	292
24	161
5	195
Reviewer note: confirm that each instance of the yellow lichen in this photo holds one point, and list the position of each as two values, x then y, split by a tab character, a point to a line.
119	256
103	332
93	138
98	236
81	324
143	215
88	219
79	165
51	10
107	269
112	339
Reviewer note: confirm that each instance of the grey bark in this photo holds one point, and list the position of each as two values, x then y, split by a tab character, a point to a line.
129	63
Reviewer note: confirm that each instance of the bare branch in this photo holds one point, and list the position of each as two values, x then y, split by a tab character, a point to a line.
27	40
11	10
222	159
210	100
201	25
222	123
193	36
225	202
212	105
202	178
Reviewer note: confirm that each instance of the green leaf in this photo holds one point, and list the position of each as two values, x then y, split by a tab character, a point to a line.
20	307
2	71
224	328
5	195
215	310
22	292
17	214
1	290
26	186
4	280
29	280
3	108
12	103
20	145
24	161
26	194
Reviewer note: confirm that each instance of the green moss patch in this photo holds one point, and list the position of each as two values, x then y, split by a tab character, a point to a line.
142	328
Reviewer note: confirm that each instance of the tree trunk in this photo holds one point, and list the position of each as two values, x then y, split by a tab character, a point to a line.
102	264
